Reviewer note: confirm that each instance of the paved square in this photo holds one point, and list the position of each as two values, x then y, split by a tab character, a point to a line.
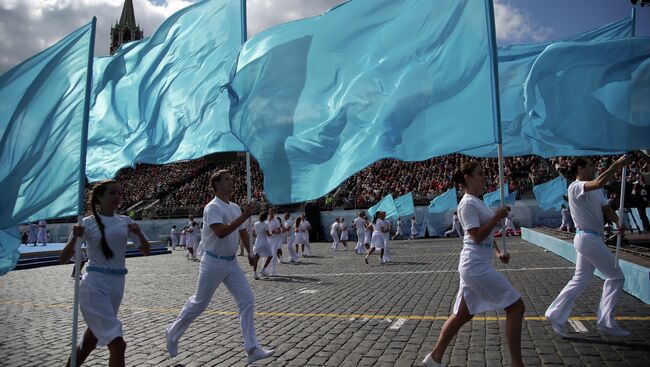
331	309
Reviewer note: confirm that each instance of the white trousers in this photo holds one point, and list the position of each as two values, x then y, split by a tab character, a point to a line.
359	249
591	254
213	272
276	244
293	256
307	247
335	240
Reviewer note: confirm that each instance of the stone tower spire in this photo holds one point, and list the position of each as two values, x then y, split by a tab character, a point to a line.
127	29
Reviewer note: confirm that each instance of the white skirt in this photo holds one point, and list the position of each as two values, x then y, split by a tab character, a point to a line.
100	296
367	237
263	247
344	235
483	288
298	239
377	240
191	242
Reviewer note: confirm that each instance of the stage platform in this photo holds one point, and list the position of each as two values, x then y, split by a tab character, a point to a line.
37	256
635	264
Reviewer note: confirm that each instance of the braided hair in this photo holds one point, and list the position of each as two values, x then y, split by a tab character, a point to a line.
98	191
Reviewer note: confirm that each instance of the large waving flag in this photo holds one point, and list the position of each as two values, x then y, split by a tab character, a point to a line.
444	202
509	199
591	95
319	99
158	100
550	195
515	63
404	204
386	204
493	199
41	121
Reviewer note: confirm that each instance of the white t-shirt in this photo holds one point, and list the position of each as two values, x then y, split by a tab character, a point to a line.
334	227
473	213
379	226
360	225
288	225
261	229
586	207
42	225
116	231
273	226
565	215
218	211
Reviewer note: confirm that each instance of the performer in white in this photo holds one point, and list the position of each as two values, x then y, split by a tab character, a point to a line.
414	228
174	237
223	226
482	288
306	251
343	228
182	240
263	247
399	228
299	240
455	226
378	238
388	256
566	219
42	232
291	236
274	241
335	230
192	244
588	205
102	286
369	230
32	233
359	225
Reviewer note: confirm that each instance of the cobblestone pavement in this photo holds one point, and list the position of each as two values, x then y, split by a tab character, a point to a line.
331	309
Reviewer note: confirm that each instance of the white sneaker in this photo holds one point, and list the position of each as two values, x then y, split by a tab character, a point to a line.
557	327
429	362
615	331
257	353
264	273
172	346
255	276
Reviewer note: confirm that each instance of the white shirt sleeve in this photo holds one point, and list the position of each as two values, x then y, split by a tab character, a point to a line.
213	216
579	189
468	216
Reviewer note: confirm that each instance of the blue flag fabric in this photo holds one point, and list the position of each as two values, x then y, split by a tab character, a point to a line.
550	195
509	199
158	100
591	95
515	63
41	117
319	99
445	202
404	204
492	199
386	204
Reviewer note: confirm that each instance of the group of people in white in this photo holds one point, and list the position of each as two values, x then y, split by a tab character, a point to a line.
224	232
36	233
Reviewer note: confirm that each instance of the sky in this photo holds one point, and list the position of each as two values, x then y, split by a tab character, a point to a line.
29	26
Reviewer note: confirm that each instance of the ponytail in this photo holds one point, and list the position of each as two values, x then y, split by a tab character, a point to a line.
97	192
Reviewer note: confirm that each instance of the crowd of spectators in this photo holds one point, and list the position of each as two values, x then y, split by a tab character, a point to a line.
185	185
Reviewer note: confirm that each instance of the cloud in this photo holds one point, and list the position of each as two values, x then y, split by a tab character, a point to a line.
514	26
29	26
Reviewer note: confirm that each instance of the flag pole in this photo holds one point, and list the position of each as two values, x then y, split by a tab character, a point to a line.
633	21
244	37
81	194
496	107
621	217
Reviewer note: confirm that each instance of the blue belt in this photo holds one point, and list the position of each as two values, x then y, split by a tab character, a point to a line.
486	244
227	258
599	234
109	271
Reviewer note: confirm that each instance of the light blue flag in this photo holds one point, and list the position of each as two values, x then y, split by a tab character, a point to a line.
492	199
445	202
387	204
591	95
319	99
550	195
515	63
404	204
41	118
158	100
509	199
